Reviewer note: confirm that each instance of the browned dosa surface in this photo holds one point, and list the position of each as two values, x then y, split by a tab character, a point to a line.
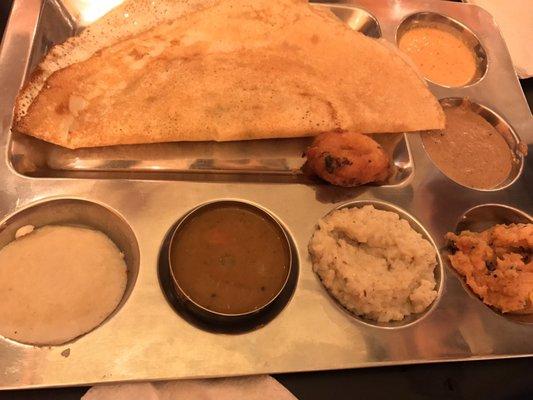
233	70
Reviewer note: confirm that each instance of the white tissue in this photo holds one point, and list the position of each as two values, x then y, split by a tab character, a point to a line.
515	20
245	388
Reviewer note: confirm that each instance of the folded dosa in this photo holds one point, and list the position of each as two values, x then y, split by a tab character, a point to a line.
231	70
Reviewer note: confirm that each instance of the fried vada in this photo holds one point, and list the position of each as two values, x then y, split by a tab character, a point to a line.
347	159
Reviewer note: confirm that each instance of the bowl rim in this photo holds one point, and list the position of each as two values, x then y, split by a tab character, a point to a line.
181	293
438	271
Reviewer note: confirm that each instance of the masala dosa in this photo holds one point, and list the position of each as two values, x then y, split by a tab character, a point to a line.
231	70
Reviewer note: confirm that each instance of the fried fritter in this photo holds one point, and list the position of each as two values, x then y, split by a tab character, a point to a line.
348	159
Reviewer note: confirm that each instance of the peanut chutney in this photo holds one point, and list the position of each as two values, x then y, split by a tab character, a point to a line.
440	54
469	150
229	258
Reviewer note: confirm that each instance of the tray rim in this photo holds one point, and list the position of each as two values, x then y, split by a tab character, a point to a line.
28	190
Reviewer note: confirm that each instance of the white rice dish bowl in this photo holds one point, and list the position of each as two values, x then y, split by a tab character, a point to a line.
374	263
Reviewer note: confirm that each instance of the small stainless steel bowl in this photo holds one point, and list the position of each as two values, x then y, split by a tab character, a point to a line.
503	128
485	216
438	271
84	213
434	20
211	316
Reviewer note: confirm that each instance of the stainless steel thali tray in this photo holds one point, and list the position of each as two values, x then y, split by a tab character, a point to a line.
137	193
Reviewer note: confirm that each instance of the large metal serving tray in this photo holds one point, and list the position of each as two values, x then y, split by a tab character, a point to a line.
136	194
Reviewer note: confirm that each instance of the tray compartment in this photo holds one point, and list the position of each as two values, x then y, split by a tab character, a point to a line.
435	20
503	128
228	161
480	218
438	271
78	212
281	158
210	321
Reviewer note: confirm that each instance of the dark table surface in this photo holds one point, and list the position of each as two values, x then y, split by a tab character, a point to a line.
499	379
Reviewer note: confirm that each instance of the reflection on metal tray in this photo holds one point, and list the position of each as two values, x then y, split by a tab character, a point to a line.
146	189
282	157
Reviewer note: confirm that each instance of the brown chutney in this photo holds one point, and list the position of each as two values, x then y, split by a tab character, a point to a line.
470	150
230	258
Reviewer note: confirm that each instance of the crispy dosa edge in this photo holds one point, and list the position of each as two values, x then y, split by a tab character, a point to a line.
75	141
87	43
